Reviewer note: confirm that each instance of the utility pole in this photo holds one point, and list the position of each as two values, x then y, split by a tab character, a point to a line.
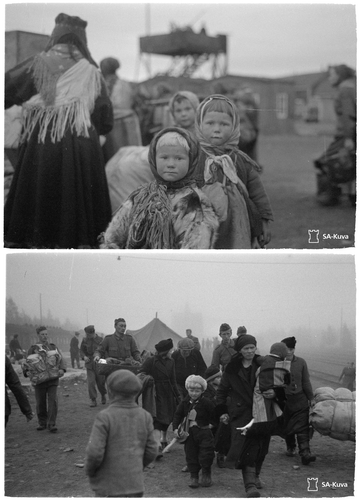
40	310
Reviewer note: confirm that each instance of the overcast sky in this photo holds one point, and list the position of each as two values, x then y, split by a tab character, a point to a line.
261	291
267	39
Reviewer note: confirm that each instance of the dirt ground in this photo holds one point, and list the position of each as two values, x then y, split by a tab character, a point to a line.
290	181
41	464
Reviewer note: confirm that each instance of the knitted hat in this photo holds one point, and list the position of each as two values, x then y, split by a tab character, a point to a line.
89	329
195	379
290	342
224	327
71	25
243	341
164	345
212	372
241	330
279	349
40	329
186	344
124	383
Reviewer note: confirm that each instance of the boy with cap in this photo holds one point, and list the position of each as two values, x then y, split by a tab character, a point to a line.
121	443
89	345
296	412
197	411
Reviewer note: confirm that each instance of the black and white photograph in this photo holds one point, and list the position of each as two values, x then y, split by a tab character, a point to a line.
179	249
95	92
265	343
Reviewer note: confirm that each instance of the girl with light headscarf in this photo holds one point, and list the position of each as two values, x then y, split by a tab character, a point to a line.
183	106
231	178
170	212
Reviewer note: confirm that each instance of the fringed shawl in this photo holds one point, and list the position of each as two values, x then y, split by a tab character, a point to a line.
67	93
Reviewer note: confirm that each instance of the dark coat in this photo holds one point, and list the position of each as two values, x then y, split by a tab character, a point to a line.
59	195
192	365
235	397
14	384
166	393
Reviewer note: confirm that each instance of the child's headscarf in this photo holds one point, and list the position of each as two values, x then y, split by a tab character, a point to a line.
151	225
190	96
193	158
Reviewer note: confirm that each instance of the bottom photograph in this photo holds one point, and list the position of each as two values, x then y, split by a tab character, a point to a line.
162	374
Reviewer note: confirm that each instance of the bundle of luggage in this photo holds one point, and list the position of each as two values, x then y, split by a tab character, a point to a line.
42	366
332	413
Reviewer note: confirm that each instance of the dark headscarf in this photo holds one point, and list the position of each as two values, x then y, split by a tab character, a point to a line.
70	29
244	340
193	158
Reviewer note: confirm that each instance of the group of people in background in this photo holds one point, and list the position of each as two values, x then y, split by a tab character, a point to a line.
76	118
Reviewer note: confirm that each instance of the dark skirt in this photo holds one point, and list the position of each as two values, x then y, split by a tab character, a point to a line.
59	195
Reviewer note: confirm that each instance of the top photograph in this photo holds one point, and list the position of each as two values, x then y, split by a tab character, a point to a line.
180	126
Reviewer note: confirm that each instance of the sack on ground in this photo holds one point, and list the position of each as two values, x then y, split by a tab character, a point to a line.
333	413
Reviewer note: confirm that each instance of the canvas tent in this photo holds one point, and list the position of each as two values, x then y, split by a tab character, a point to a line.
150	334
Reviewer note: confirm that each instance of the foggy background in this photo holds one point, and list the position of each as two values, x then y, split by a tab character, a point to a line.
310	296
265	40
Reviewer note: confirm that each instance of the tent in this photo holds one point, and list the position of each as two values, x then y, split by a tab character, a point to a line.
150	334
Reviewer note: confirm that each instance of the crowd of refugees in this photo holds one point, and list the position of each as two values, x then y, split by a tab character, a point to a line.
200	187
225	412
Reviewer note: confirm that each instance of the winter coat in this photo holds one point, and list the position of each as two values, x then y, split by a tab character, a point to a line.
194	364
121	444
193	220
203	407
166	394
14	384
59	196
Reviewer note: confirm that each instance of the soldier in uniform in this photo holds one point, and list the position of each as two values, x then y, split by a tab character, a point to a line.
224	351
119	345
89	346
193	338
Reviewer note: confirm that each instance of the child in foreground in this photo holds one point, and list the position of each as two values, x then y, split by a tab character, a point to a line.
171	212
195	411
121	443
232	180
183	106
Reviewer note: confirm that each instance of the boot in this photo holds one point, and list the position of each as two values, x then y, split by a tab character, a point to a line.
220	460
194	480
93	403
258	483
304	449
249	476
206	478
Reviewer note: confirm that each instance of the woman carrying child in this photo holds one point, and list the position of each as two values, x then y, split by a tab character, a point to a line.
231	178
171	212
234	399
